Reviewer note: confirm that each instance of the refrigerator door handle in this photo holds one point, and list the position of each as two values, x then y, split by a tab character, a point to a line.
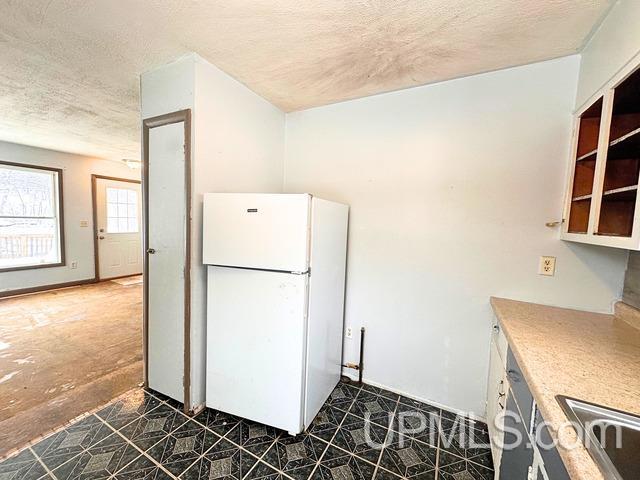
296	272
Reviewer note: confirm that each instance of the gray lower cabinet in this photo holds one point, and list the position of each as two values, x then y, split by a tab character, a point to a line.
533	457
517	454
553	464
519	388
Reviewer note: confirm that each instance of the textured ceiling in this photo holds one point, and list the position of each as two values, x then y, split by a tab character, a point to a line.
69	68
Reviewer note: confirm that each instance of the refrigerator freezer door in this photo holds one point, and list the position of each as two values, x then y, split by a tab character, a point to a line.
255	345
252	230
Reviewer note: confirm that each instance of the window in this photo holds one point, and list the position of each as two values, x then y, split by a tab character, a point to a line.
122	210
31	231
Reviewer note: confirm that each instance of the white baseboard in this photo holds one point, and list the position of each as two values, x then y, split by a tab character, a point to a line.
471	415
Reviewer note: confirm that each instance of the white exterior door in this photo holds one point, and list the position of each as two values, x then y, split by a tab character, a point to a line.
255	345
262	231
119	222
166	260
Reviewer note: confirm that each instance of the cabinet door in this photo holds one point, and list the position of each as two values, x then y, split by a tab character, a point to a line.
586	150
496	399
519	388
537	469
602	202
618	195
549	455
517	453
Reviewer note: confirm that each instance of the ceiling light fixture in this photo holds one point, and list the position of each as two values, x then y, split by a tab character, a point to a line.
132	163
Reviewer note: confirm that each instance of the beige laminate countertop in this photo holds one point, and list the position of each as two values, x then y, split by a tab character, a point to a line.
589	356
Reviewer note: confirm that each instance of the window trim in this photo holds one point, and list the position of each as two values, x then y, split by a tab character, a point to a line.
60	205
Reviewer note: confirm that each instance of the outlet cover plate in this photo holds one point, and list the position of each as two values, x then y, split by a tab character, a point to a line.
547	266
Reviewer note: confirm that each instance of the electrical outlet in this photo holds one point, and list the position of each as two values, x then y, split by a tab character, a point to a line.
74	265
349	333
547	266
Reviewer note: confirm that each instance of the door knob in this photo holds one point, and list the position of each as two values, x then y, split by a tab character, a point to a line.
151	250
101	237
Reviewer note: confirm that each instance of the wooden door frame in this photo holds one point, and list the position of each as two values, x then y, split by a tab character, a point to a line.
94	209
147	124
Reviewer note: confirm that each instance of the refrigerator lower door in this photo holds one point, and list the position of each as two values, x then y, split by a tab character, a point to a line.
256	328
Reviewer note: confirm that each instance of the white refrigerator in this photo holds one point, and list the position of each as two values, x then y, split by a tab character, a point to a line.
275	301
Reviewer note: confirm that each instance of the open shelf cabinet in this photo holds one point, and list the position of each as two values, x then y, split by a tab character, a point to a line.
602	197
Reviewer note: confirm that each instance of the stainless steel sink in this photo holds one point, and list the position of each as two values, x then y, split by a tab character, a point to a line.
612	437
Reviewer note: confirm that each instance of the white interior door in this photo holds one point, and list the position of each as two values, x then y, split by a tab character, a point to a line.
166	260
119	222
255	344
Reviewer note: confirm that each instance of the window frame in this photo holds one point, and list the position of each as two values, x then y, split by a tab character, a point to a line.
60	217
127	217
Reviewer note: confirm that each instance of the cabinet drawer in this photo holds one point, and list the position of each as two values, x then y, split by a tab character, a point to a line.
520	389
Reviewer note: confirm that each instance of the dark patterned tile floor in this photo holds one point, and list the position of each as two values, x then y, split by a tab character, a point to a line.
100	461
25	466
361	433
361	437
131	407
180	449
410	458
296	456
72	441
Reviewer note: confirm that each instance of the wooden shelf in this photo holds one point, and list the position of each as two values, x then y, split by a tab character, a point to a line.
617	212
626	147
592	153
587	156
589	130
581	197
625	137
615	191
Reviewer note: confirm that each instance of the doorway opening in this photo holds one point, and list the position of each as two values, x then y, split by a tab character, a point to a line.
70	348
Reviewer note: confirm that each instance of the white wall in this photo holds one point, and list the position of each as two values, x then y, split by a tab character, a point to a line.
614	43
76	187
238	146
450	186
168	88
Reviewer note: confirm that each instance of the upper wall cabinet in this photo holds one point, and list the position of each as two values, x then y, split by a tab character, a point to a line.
602	198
